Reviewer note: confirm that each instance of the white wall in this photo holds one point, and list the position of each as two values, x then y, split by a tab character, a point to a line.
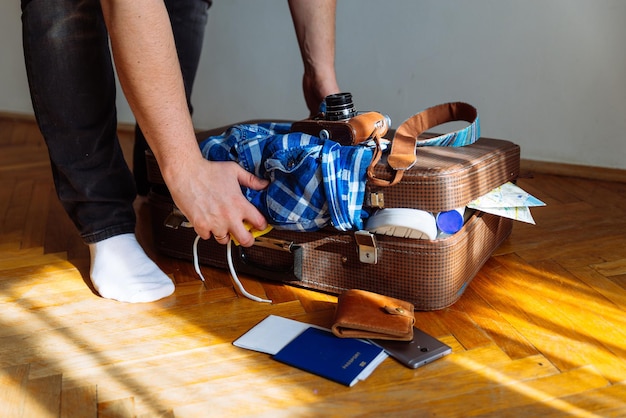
547	74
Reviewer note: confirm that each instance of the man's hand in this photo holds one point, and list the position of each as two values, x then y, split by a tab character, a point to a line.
209	194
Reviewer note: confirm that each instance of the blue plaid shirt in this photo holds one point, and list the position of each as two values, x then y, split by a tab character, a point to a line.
313	182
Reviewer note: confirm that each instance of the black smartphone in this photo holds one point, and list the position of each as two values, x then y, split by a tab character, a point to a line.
423	349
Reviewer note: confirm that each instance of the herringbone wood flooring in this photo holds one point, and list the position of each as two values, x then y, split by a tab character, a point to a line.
541	330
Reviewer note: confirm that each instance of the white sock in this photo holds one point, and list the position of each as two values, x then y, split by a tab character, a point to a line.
121	270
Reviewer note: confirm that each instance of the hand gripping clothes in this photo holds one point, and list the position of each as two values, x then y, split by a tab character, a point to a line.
314	182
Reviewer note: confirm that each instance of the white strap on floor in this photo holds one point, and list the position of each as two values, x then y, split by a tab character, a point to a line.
231	268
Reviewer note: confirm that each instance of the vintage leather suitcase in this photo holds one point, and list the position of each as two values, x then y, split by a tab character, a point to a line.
431	274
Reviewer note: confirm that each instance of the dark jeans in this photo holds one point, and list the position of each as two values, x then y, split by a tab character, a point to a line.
72	87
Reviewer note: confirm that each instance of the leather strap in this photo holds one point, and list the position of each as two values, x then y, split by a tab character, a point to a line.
403	154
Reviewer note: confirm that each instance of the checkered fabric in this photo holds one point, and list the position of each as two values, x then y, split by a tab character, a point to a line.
313	182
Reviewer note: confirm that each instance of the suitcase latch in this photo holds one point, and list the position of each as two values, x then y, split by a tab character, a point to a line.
377	200
176	219
274	244
366	247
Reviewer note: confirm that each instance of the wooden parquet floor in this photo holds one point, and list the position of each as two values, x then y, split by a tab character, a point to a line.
541	330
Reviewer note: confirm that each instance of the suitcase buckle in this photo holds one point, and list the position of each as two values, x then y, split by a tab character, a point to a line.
366	247
176	219
274	244
377	200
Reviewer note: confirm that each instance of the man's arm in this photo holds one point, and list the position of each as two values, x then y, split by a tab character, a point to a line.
208	193
314	22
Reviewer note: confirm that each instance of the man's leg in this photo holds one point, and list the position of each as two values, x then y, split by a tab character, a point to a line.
72	88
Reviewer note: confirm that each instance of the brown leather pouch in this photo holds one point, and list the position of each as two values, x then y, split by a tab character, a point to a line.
362	314
346	132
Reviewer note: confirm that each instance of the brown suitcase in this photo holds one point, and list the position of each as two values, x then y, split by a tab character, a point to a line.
431	274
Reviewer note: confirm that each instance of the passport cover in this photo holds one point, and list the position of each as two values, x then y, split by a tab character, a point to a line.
272	334
343	360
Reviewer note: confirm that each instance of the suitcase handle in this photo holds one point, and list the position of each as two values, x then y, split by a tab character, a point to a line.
403	154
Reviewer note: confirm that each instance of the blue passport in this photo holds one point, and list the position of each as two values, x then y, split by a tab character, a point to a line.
343	360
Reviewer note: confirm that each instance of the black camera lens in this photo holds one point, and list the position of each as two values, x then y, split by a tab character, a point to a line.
339	107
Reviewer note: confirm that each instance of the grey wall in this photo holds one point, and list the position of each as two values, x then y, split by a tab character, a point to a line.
547	74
